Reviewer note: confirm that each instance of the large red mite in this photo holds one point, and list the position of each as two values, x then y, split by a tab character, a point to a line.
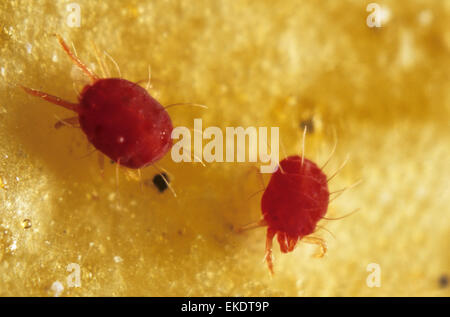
119	118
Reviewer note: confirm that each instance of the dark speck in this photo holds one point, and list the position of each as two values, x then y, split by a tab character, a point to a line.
309	124
443	281
160	183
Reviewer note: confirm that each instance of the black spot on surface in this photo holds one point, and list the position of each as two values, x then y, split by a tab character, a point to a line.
160	183
443	281
309	124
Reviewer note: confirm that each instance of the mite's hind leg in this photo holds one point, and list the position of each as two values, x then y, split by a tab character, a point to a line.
317	241
268	256
68	122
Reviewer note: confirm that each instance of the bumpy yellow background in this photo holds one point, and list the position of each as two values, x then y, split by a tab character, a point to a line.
386	91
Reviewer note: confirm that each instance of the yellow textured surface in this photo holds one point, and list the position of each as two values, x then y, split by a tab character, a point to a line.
254	63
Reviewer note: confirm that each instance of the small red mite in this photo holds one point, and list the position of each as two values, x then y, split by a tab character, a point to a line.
119	118
293	202
295	199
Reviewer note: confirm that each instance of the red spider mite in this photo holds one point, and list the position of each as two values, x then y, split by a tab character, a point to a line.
119	118
293	202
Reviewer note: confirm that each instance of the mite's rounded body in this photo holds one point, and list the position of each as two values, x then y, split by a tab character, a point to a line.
124	122
295	199
119	118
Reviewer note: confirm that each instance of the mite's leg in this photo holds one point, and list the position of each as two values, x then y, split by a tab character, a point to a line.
76	60
333	150
53	99
268	256
318	241
68	122
287	243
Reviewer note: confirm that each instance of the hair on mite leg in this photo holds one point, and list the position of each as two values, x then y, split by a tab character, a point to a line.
303	144
71	122
333	150
100	61
76	90
114	62
325	229
252	225
254	194
342	190
141	185
339	193
74	49
342	217
185	104
149	82
339	169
